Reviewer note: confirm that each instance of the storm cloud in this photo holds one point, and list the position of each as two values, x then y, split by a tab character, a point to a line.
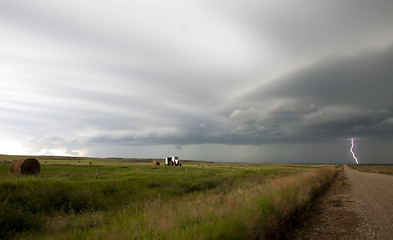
336	97
260	81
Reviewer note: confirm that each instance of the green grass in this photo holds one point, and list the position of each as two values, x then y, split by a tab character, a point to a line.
384	169
135	200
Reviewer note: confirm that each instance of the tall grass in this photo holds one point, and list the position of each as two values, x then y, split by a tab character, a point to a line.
251	211
248	212
138	201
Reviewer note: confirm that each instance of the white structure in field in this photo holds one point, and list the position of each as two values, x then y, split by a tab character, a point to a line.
172	161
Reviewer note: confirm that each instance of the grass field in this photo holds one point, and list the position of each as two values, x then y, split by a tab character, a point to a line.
132	199
384	169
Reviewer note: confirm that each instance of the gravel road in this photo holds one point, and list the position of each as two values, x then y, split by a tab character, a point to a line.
373	197
358	205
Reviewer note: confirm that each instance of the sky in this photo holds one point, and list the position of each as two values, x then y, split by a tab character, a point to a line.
223	80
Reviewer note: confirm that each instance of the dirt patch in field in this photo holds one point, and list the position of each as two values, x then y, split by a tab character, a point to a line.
331	217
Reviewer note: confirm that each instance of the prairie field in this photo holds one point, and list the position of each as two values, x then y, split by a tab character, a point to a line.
384	169
81	198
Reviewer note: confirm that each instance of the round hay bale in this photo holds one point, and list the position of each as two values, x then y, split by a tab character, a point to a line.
156	163
30	166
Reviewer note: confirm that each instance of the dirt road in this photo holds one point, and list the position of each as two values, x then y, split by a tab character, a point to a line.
358	206
373	195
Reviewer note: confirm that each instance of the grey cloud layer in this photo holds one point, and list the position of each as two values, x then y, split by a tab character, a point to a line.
338	97
87	74
334	98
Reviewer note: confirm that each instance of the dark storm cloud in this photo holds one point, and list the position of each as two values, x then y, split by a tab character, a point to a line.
337	97
351	80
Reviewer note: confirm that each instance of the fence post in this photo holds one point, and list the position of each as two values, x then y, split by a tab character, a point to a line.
96	174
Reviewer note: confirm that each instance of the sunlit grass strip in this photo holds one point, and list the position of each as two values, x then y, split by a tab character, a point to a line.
252	211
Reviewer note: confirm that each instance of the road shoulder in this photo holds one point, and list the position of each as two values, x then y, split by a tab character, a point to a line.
332	216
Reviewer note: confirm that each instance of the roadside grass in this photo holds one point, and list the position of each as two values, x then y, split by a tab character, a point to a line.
139	201
250	211
384	169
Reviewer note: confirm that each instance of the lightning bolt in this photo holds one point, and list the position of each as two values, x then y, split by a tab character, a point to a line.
351	150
